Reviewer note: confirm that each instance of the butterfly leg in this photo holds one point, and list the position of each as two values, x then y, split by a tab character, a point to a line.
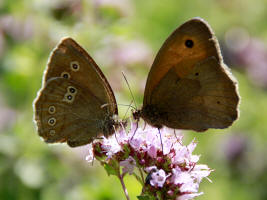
144	126
135	130
160	140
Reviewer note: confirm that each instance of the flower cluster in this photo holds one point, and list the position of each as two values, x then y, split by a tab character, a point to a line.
170	168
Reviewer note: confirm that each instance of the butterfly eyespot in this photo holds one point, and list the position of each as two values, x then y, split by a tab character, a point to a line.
65	75
52	132
218	102
52	109
189	43
74	66
52	121
69	98
196	74
72	89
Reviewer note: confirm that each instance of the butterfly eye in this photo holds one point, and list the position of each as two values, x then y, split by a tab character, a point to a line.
52	121
74	66
52	132
52	109
189	43
72	89
65	75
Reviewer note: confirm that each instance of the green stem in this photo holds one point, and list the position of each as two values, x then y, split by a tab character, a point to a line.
123	185
142	176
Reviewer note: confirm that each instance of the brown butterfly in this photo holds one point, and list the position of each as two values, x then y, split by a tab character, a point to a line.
189	86
70	106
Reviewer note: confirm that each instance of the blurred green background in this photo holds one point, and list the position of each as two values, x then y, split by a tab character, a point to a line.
126	35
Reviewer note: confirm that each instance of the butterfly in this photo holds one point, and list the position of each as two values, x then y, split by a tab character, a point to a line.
189	86
76	103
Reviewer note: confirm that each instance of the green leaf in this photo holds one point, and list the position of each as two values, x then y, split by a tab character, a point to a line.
110	169
138	178
144	197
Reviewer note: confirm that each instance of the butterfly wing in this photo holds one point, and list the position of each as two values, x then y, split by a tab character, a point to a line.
71	61
188	86
85	118
67	112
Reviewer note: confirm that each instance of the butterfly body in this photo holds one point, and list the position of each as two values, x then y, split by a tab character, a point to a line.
70	105
189	86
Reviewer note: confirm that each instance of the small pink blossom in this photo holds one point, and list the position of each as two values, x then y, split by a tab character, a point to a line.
189	196
128	165
152	151
110	146
158	178
149	169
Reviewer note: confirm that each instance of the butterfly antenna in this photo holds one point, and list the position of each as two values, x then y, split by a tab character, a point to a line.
127	111
160	140
119	104
129	89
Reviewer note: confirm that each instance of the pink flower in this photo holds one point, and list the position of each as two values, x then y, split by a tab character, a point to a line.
158	178
152	151
110	146
189	196
174	170
128	165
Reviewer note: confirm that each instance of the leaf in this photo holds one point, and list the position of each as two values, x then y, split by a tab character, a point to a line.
138	178
110	170
144	197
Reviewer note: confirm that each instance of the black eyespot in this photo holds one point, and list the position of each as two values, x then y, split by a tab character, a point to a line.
189	43
75	66
52	121
218	102
72	90
69	97
197	74
65	76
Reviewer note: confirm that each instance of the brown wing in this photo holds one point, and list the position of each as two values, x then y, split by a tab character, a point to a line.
188	86
175	53
68	112
71	61
206	98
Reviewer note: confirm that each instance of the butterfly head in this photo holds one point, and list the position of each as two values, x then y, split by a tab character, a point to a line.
151	114
112	123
